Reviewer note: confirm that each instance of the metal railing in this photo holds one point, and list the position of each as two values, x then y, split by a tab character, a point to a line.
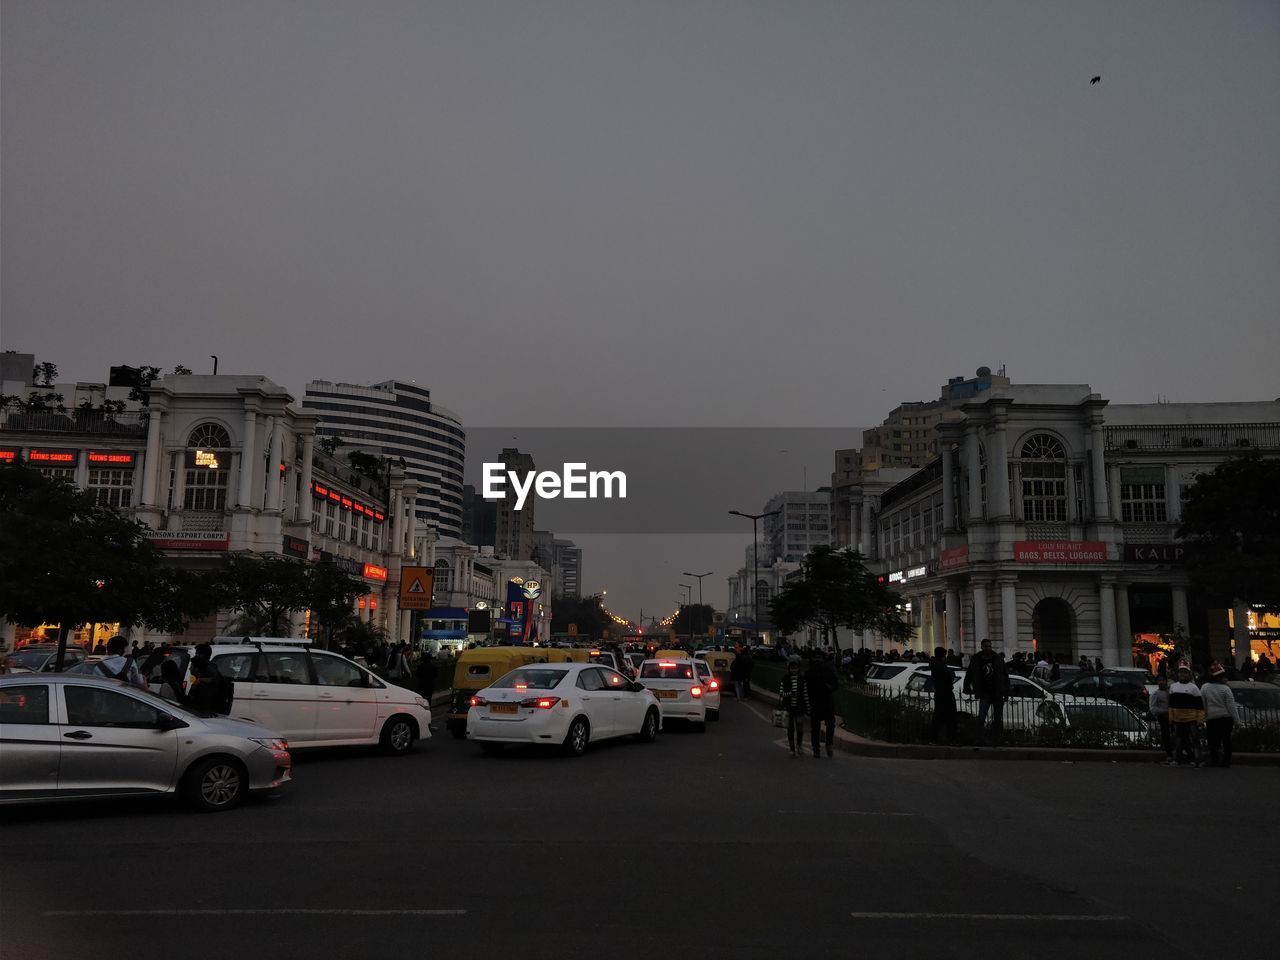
96	422
1239	437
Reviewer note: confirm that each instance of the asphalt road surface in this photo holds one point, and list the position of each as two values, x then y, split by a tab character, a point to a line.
715	845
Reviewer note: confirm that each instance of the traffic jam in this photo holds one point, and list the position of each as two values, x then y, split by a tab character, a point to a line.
108	726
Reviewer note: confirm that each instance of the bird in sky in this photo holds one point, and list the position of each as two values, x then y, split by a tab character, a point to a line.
1095	80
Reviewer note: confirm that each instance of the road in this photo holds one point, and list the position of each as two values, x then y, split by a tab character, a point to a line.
715	845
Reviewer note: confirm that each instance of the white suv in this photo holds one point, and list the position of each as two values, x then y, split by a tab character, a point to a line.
315	698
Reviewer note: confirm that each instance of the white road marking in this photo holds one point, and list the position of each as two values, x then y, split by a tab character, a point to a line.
284	912
985	916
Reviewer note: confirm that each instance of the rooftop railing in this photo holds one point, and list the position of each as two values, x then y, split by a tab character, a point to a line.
1237	437
96	422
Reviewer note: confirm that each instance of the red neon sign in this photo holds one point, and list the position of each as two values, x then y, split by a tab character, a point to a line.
8	455
119	458
374	572
51	456
346	503
319	491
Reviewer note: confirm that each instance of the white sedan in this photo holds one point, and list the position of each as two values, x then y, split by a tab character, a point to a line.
678	689
564	704
710	688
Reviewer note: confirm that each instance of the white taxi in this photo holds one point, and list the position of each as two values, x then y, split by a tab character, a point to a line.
562	704
678	688
710	688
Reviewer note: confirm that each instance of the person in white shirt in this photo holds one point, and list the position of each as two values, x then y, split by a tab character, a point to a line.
119	667
1220	715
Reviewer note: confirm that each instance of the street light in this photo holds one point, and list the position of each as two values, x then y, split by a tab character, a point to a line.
755	559
699	576
689	607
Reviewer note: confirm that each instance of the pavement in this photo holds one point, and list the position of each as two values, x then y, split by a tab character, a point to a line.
699	845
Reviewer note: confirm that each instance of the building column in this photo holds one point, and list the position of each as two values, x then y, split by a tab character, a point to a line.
151	465
1098	461
1240	631
1107	613
973	466
998	468
948	490
304	504
1009	614
179	469
1116	509
865	547
953	620
274	477
248	459
1123	629
1181	618
980	624
1172	494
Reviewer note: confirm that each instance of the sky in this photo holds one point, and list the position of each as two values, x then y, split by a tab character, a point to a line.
648	214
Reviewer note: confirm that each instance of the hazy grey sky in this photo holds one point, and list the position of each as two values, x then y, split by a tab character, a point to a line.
648	213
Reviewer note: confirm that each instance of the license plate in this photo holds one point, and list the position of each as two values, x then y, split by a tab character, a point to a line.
503	708
666	694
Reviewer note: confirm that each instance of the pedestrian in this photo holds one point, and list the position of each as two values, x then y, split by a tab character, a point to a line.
398	664
793	698
822	683
748	667
1042	669
988	679
735	675
117	666
1186	710
1055	669
1158	704
1221	715
1097	664
205	692
171	682
944	697
427	675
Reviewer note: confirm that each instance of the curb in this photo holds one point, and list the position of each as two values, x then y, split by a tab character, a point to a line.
852	743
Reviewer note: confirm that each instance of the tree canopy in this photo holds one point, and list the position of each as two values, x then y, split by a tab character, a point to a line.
1231	526
836	590
693	617
587	612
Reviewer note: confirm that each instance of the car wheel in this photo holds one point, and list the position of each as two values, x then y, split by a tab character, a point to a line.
713	714
398	735
216	784
575	741
649	731
492	749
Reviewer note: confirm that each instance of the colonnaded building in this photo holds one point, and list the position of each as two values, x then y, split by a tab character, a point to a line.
1048	521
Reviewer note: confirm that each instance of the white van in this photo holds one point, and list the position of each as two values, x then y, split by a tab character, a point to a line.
316	698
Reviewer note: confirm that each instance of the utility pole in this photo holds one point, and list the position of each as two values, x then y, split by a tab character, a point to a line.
699	576
755	561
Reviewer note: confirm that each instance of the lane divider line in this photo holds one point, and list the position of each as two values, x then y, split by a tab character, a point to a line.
987	916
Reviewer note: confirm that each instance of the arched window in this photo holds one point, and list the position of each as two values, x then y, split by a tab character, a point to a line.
762	594
209	436
444	576
208	470
1044	480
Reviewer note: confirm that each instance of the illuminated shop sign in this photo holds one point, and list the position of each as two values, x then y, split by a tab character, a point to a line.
204	460
322	492
114	458
1060	551
53	456
8	454
911	573
374	572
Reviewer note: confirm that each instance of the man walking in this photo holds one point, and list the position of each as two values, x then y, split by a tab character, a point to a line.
204	692
822	684
793	698
944	697
988	679
117	666
427	674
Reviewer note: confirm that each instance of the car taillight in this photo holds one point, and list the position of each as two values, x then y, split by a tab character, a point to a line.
479	702
715	684
540	703
695	692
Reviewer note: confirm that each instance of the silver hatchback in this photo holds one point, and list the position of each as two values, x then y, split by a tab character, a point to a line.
65	737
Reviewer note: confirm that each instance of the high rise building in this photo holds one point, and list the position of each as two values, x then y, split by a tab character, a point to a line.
395	420
803	522
515	527
479	518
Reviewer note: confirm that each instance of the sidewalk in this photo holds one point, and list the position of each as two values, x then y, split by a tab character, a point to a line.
849	742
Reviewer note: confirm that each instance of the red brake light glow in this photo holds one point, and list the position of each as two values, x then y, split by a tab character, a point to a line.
695	691
715	684
540	703
666	663
479	701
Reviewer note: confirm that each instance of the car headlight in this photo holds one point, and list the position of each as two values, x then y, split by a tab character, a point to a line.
272	743
421	702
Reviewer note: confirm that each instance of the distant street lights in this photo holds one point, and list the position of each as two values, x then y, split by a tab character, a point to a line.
755	560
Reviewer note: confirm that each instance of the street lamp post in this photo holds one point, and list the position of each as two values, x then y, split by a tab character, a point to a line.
755	560
699	576
689	607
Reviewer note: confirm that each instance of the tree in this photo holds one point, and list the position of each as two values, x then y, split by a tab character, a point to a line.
181	370
366	464
1231	527
65	559
265	590
146	376
836	590
45	374
330	594
695	618
587	612
330	445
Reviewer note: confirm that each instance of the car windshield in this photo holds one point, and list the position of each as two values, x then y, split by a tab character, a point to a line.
883	671
666	670
531	679
31	659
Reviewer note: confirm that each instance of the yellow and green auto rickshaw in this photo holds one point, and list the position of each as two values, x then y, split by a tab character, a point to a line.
477	668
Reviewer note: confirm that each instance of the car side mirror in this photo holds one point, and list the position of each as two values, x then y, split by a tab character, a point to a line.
169	722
